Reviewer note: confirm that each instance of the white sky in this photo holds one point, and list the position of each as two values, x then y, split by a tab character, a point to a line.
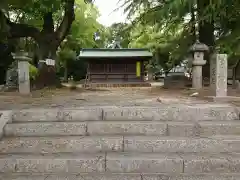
107	11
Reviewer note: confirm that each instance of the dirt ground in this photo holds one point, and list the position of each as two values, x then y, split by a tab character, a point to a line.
65	97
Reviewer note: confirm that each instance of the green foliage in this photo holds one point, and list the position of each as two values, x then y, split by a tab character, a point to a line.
33	72
85	25
168	47
161	26
120	32
67	54
81	36
31	12
170	26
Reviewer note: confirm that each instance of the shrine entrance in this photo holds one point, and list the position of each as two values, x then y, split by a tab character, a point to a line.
115	65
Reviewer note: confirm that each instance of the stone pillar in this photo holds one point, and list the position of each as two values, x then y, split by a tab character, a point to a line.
197	76
198	50
213	61
150	76
221	75
23	73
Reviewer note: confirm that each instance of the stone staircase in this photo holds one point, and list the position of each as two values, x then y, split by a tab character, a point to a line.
180	142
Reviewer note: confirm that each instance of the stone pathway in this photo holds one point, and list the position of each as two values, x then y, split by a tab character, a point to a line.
119	97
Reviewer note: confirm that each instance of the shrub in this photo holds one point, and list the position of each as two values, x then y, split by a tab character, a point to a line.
33	72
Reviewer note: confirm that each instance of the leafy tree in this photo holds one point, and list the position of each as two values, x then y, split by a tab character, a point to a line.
44	25
215	23
168	47
47	30
81	36
119	32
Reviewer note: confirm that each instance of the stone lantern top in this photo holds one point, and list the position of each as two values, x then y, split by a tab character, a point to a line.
21	56
199	47
217	49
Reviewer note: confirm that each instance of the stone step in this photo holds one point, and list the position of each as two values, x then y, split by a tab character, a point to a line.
122	163
215	144
70	144
86	128
204	128
46	129
117	85
174	164
93	144
116	176
161	113
81	163
168	128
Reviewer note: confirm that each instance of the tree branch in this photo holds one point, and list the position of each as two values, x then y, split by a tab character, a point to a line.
48	25
17	30
66	23
23	30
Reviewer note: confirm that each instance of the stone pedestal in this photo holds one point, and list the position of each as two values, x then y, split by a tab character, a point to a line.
221	75
197	77
150	76
198	50
197	64
23	73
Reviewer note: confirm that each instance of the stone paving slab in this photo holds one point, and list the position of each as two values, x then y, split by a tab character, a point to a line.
180	144
93	144
70	144
46	129
52	164
75	144
126	128
41	115
140	163
160	113
126	176
220	128
172	113
143	163
82	176
195	176
168	128
211	163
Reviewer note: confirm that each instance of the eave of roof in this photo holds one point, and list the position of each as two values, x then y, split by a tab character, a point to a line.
114	53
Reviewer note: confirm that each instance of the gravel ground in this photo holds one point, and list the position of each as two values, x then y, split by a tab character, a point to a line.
102	97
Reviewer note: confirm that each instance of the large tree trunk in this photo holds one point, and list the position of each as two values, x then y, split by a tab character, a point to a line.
65	71
47	40
193	24
47	50
206	32
47	74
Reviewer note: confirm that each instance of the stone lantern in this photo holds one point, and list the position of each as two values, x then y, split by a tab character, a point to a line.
197	50
23	72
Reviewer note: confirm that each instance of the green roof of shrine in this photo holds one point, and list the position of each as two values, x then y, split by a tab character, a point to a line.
114	53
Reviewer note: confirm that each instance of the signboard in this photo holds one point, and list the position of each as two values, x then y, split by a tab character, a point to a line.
50	62
138	69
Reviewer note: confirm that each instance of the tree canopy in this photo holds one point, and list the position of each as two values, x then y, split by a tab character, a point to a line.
59	29
171	26
48	29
